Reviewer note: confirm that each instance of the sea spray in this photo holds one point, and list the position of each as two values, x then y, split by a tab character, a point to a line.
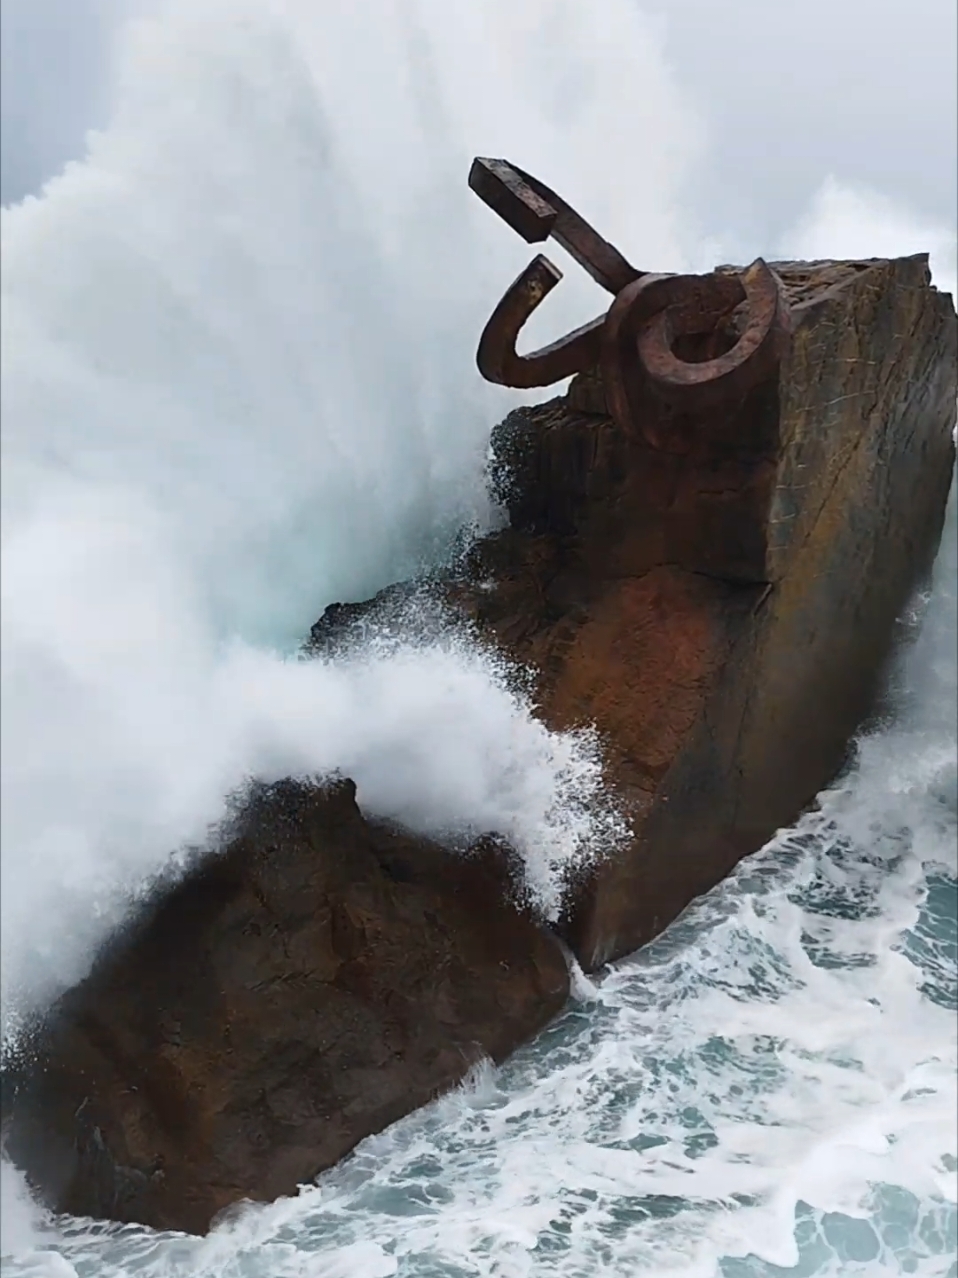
237	346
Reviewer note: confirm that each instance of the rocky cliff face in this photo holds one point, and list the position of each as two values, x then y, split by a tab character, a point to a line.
719	602
722	608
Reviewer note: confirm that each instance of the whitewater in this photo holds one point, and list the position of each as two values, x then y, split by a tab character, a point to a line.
238	385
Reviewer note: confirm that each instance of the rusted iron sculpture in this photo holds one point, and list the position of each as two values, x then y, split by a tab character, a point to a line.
635	342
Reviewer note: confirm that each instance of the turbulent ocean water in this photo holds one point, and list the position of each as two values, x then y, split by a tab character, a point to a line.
238	385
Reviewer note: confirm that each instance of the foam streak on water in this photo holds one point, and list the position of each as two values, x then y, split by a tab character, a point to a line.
237	385
766	1091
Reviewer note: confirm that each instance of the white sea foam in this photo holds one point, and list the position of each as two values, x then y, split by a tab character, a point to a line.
767	1090
237	385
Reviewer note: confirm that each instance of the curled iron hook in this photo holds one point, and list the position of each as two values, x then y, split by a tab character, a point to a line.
753	356
497	357
649	315
636	341
536	212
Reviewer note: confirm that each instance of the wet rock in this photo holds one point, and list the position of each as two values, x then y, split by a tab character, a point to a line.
303	989
722	607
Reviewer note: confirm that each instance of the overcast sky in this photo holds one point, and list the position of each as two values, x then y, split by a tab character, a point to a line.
863	90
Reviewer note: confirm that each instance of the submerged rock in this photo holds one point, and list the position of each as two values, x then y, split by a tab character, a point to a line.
315	982
719	604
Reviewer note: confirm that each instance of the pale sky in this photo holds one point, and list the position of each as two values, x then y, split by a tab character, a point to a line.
865	91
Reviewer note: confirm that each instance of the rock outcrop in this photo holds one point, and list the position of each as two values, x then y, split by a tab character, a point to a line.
313	983
721	606
717	592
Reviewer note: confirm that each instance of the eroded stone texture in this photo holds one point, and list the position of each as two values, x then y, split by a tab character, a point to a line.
315	982
722	611
722	608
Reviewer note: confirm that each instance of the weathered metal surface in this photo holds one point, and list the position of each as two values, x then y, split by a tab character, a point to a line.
637	342
647	319
536	212
701	303
497	358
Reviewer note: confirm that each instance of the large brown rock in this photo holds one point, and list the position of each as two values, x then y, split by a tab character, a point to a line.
722	608
315	982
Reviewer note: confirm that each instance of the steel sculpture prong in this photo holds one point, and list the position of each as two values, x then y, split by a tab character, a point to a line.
536	212
497	357
698	310
635	341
